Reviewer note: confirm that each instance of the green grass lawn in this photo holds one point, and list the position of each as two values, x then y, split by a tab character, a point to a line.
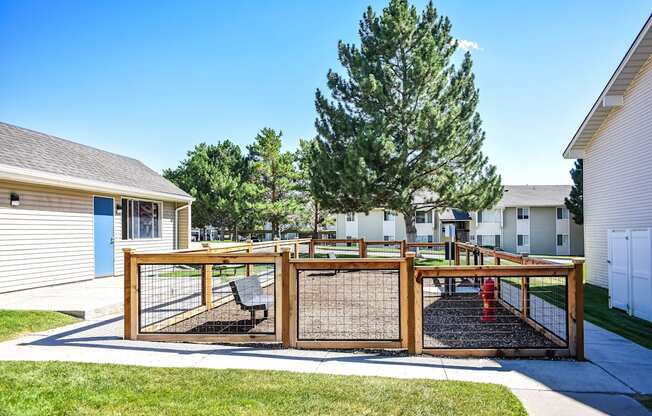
14	324
57	388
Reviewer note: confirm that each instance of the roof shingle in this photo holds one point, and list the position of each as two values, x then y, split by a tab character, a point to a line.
28	149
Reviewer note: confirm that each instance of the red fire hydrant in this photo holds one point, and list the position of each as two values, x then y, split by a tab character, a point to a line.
488	295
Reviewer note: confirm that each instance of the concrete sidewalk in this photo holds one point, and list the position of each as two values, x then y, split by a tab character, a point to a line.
89	299
544	386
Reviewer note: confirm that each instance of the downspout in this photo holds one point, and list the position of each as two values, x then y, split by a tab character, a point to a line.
176	225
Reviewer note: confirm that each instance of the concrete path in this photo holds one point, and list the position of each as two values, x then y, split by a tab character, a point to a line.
544	386
89	299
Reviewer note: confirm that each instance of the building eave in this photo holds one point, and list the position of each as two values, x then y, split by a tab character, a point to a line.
613	92
16	174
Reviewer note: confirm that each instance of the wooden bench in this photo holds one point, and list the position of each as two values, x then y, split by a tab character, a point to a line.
249	295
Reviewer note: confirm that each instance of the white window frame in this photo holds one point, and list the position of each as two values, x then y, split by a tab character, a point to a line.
563	211
525	240
350	217
389	215
523	213
564	240
131	222
427	217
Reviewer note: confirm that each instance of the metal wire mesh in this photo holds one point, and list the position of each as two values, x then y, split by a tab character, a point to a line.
453	318
384	250
173	300
337	249
166	291
510	291
547	301
348	305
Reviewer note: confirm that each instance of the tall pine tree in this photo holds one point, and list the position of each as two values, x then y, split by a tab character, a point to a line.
274	173
402	122
575	201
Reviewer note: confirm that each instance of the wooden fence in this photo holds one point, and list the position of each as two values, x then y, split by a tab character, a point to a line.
352	302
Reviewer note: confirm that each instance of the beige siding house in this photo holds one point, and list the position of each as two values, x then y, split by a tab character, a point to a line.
615	142
68	210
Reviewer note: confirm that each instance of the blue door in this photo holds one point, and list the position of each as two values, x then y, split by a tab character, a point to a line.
103	234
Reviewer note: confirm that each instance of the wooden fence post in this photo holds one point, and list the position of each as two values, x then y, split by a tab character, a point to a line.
296	251
414	307
362	248
285	296
207	285
130	282
311	249
250	249
482	258
403	248
457	254
277	246
576	310
468	258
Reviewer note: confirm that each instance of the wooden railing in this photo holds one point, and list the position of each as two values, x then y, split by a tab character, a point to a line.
345	303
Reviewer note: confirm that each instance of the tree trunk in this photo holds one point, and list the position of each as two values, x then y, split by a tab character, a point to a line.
410	226
315	228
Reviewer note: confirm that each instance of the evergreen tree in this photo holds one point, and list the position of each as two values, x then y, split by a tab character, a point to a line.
311	211
217	176
575	201
274	174
402	122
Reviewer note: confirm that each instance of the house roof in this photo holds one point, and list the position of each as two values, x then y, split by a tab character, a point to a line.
454	214
534	195
30	156
637	54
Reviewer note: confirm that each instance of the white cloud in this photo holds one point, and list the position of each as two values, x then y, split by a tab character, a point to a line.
468	45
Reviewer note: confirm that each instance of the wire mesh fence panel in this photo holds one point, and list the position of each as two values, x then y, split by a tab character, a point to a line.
242	301
166	291
454	316
547	300
337	250
384	250
304	250
348	305
510	291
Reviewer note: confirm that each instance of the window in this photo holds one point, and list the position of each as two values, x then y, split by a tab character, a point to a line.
562	213
479	219
424	238
140	219
424	217
523	240
389	215
497	239
562	239
479	238
523	213
350	216
388	238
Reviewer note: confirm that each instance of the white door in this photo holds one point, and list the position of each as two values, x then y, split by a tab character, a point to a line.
641	251
618	260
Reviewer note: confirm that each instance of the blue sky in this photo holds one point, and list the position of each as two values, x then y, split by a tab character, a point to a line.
152	79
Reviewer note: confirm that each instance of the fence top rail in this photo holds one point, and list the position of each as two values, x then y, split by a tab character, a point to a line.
335	240
260	244
535	270
204	258
382	242
504	255
345	264
432	244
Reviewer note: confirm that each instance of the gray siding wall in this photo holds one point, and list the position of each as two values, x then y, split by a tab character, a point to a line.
576	239
48	239
340	226
543	230
509	230
618	173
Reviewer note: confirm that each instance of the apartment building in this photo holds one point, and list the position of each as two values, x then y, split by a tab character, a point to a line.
530	219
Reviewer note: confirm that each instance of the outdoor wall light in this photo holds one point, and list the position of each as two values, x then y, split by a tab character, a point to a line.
14	199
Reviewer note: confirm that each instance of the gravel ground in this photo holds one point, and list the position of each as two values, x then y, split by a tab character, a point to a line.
453	321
